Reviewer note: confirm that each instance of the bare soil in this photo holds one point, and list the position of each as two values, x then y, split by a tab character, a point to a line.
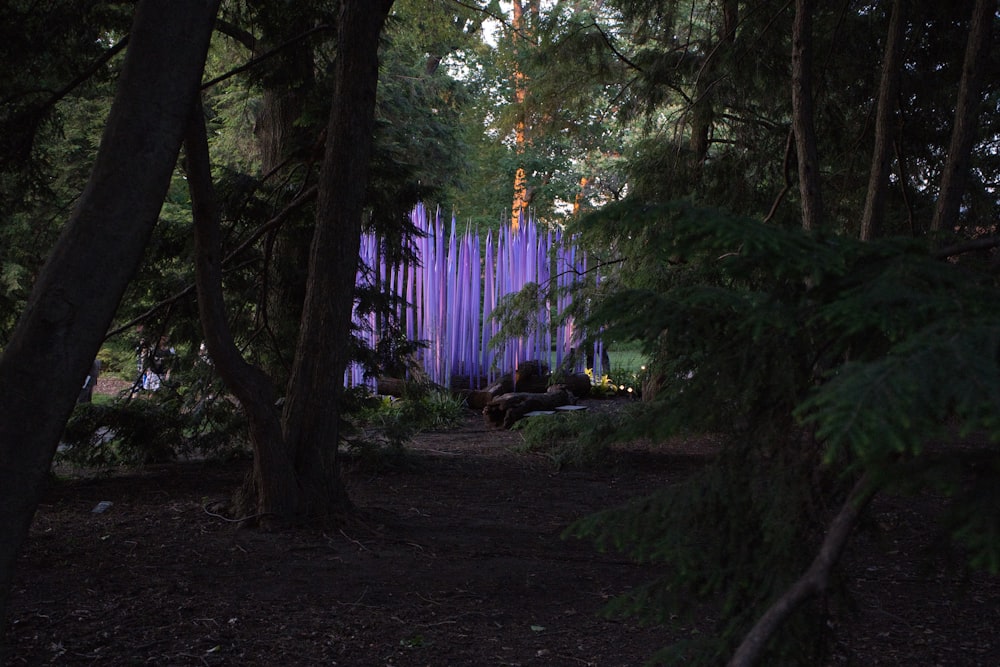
457	560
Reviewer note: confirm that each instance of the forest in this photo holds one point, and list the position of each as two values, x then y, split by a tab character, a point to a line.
789	212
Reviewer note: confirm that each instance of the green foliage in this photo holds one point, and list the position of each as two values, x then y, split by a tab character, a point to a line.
815	357
381	426
54	96
570	440
155	428
517	314
189	416
627	370
721	537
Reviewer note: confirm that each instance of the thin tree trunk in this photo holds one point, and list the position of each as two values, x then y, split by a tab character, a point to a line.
878	180
581	194
521	30
963	135
274	490
814	581
803	122
77	292
311	417
702	112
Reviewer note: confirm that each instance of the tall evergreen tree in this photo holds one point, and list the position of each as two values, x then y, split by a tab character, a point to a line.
823	364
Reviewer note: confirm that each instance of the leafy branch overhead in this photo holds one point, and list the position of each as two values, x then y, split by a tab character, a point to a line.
816	357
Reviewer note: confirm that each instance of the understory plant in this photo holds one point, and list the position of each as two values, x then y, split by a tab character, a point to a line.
153	427
382	426
825	365
570	439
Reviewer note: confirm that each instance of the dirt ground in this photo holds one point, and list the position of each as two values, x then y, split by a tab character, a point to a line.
458	561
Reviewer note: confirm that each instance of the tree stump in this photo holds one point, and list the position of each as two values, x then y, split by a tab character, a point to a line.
506	409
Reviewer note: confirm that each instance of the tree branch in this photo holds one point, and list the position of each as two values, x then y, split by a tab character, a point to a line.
229	29
256	60
273	223
788	180
78	79
983	243
814	581
618	54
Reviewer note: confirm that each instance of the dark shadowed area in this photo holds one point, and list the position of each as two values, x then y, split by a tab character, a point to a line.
456	560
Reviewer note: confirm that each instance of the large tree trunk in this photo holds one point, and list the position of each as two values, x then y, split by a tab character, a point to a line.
312	413
878	180
963	135
283	140
803	122
72	303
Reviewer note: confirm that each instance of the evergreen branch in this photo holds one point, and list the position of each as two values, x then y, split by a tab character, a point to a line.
229	29
256	60
152	310
484	10
597	267
785	168
618	54
815	580
263	229
983	243
279	219
86	74
59	94
157	307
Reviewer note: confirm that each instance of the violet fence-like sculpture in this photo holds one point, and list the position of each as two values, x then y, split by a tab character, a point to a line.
451	292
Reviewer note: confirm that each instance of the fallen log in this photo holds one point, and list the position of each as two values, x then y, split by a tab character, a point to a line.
506	409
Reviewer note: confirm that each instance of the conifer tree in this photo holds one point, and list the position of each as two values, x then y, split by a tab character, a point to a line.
822	365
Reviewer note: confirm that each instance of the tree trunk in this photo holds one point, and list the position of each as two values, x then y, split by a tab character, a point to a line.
72	304
878	180
283	139
803	117
963	135
311	417
580	198
521	30
702	112
273	491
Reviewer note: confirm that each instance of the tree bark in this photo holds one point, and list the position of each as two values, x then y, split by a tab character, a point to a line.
274	490
814	581
963	135
878	179
803	122
283	140
72	304
311	418
702	112
521	31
